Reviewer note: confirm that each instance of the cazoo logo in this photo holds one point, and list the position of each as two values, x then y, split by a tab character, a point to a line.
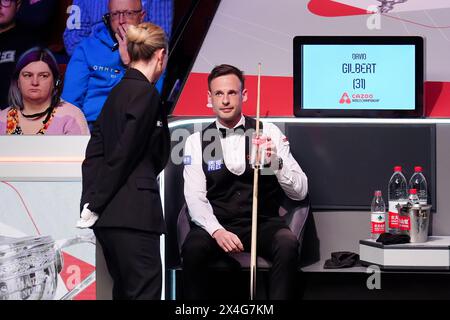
358	97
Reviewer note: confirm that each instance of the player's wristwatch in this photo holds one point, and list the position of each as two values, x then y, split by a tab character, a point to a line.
280	163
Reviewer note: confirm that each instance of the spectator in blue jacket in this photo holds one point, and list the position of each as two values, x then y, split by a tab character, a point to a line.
159	12
95	68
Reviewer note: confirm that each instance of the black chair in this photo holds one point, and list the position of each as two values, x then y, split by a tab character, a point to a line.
295	214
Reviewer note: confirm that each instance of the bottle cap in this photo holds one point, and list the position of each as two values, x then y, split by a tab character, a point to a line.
397	168
377	193
418	169
412	191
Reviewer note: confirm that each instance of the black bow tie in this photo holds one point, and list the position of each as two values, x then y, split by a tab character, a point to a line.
225	132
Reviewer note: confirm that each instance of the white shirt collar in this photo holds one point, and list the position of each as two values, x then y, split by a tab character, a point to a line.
241	122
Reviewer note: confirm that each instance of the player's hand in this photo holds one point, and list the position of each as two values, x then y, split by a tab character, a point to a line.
228	241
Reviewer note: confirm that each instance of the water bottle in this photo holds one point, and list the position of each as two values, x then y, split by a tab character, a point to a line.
377	215
413	197
397	194
419	183
404	224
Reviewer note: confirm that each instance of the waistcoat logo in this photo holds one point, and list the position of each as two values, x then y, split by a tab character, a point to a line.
187	160
215	165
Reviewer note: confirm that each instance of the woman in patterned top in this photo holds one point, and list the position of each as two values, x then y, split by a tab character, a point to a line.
35	100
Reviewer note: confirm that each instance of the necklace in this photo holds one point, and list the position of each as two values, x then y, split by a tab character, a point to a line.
38	115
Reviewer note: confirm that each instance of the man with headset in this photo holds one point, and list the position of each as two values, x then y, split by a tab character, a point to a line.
100	61
159	12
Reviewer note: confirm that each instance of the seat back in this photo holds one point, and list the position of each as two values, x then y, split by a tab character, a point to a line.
296	214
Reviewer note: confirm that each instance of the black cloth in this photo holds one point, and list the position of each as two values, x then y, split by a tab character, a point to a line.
200	249
129	147
13	43
134	262
389	238
341	259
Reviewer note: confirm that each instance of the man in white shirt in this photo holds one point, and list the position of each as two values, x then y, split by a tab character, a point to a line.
218	188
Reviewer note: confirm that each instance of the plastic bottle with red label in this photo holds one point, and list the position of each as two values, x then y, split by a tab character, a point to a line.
419	183
377	215
397	194
405	220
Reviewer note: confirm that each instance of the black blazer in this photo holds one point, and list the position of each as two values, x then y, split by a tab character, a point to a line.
129	147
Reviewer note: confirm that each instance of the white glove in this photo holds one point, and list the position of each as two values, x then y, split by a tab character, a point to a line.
88	218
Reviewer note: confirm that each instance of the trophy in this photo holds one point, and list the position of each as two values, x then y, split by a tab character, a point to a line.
29	267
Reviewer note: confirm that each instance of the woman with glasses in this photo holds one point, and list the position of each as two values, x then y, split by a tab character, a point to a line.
35	103
9	3
128	148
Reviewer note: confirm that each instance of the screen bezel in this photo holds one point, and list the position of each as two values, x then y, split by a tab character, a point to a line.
416	41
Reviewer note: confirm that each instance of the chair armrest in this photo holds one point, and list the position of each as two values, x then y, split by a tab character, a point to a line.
183	226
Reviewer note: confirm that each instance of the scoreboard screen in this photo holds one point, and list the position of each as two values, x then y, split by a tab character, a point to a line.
358	76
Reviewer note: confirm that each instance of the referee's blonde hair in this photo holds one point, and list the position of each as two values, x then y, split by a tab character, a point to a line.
144	39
